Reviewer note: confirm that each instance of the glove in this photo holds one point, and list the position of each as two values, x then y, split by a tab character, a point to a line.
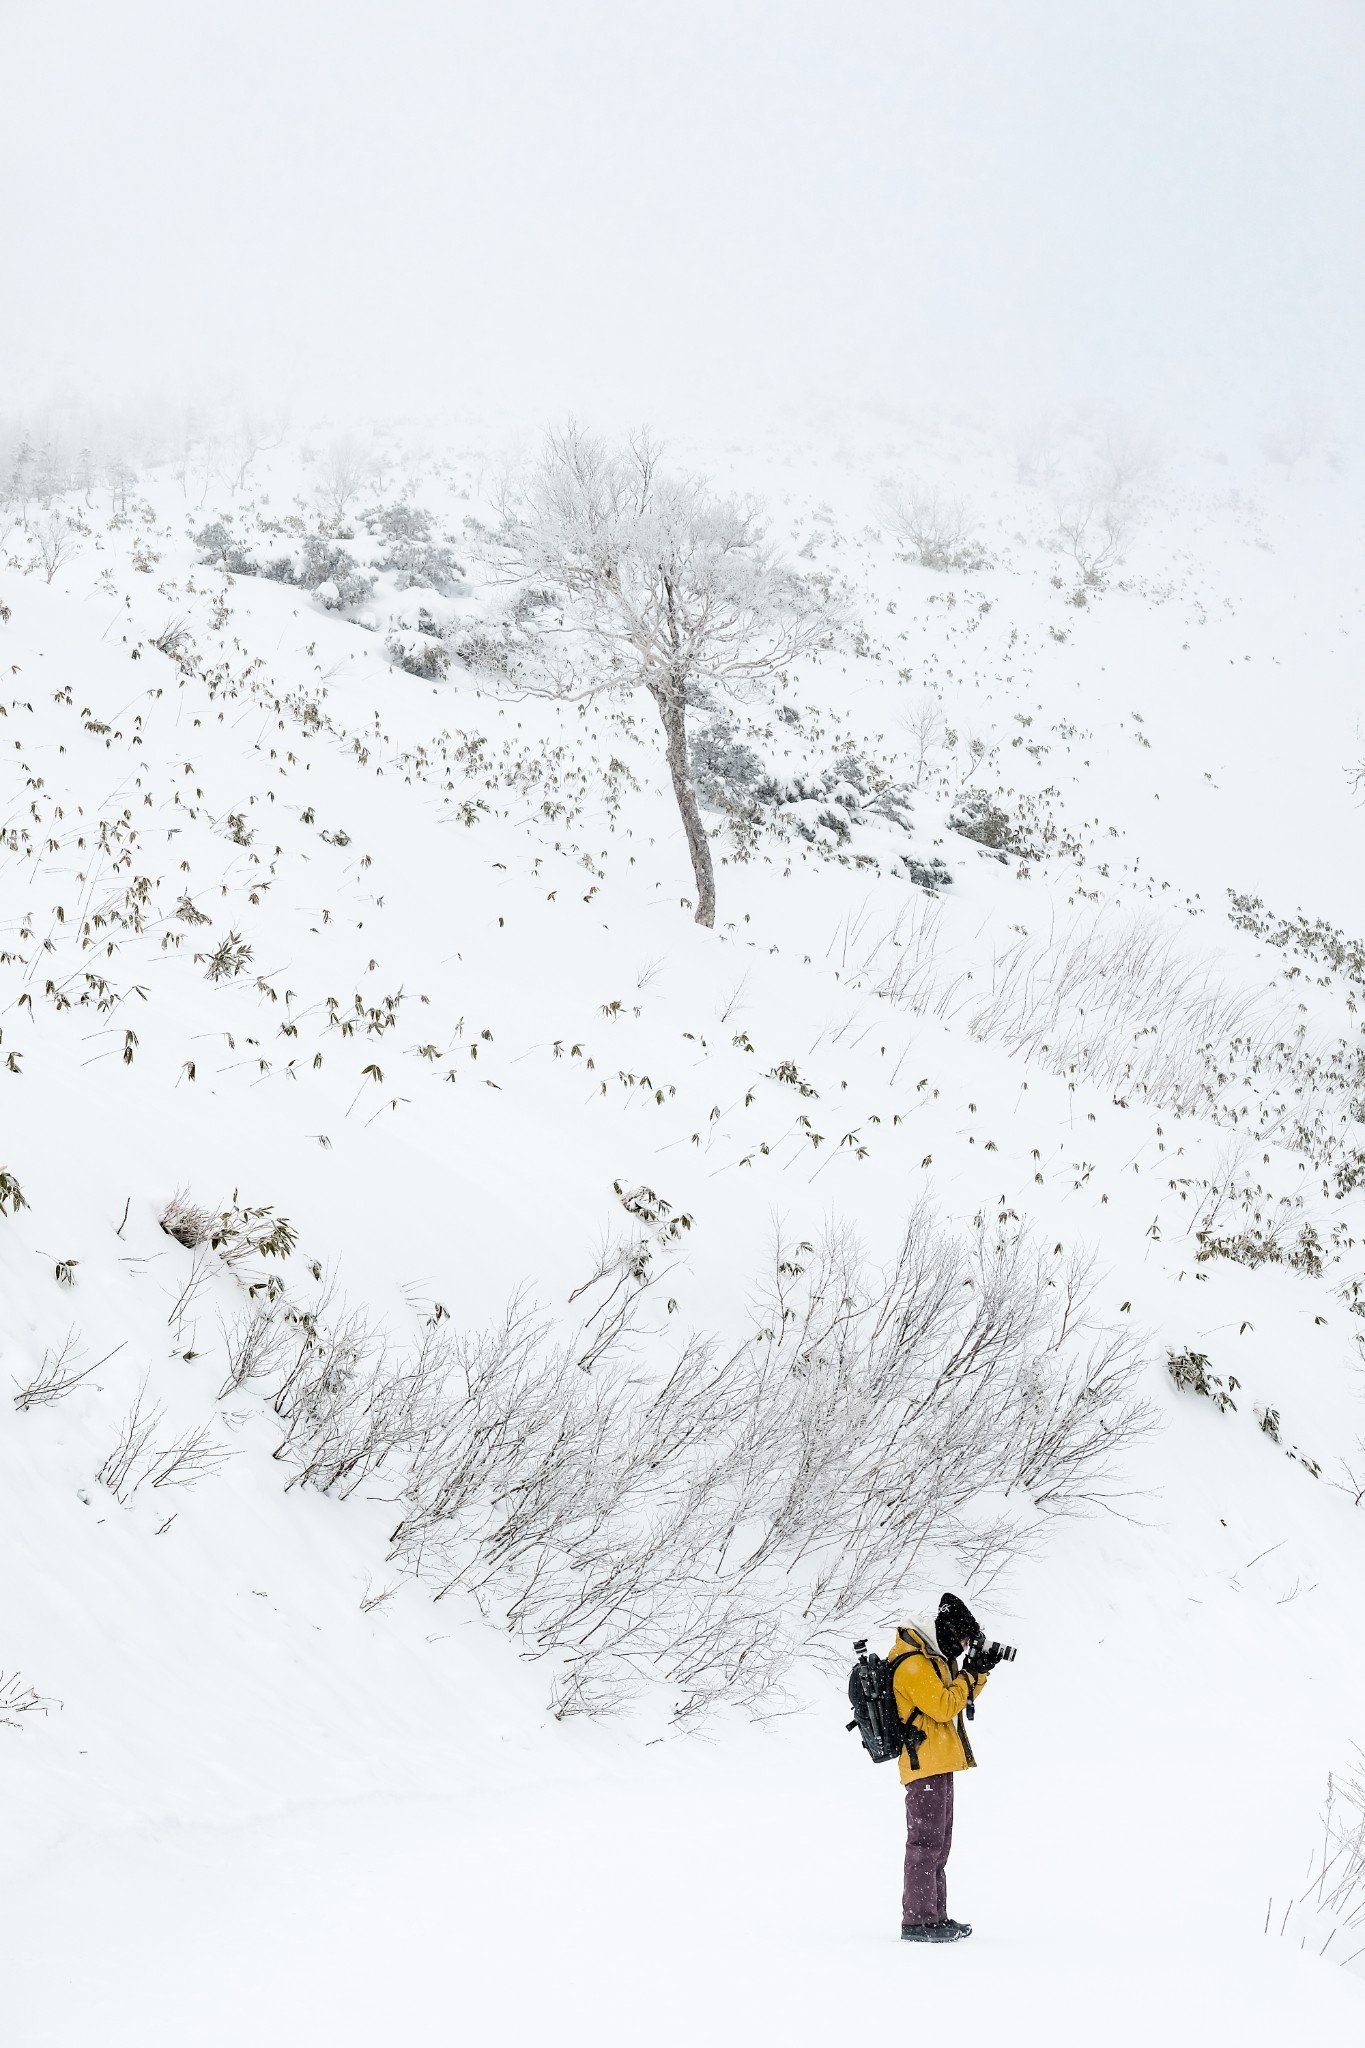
980	1659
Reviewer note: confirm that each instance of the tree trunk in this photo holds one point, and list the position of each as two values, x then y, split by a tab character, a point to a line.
672	711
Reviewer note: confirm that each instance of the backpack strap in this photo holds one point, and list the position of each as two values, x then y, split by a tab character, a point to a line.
911	1730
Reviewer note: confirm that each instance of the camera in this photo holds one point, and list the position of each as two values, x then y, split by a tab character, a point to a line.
984	1656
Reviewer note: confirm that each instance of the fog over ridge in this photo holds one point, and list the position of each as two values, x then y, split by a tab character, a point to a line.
375	208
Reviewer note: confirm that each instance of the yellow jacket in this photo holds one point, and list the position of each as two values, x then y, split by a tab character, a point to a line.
932	1698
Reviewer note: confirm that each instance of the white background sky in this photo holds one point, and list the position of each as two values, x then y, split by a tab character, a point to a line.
632	205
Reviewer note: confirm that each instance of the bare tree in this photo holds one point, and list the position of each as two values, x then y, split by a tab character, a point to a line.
928	729
1035	449
120	476
1129	455
1302	428
57	541
936	524
254	434
345	468
1095	529
672	589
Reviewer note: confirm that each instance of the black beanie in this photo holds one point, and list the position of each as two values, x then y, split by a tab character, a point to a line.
954	1625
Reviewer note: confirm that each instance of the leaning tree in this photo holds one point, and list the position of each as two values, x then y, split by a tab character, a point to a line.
669	588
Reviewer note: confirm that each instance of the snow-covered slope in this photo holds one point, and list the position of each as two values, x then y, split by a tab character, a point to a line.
406	960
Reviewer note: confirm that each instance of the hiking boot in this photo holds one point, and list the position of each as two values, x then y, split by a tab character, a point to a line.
934	1930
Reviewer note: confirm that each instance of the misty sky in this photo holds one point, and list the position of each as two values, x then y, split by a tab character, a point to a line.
633	205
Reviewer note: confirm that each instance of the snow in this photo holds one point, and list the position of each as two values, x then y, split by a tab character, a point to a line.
728	1897
255	1810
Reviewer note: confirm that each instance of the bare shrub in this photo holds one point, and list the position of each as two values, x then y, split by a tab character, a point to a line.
343	1410
192	1456
936	525
255	1347
371	1602
1121	1004
139	1427
182	1308
1328	1916
174	640
18	1699
711	1523
59	1375
136	1459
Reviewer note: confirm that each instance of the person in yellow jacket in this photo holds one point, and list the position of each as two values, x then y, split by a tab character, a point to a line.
935	1700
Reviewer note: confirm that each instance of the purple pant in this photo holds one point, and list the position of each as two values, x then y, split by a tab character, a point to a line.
928	1838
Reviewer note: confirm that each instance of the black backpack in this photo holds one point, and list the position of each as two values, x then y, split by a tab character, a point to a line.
871	1694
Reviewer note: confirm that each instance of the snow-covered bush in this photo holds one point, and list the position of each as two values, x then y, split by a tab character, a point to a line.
979	817
419	654
414	556
846	806
332	575
493	649
1271	1246
726	771
1192	1373
220	547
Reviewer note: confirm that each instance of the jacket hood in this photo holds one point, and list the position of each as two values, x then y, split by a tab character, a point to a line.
917	1636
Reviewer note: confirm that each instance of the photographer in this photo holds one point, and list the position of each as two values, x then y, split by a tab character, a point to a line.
935	1699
